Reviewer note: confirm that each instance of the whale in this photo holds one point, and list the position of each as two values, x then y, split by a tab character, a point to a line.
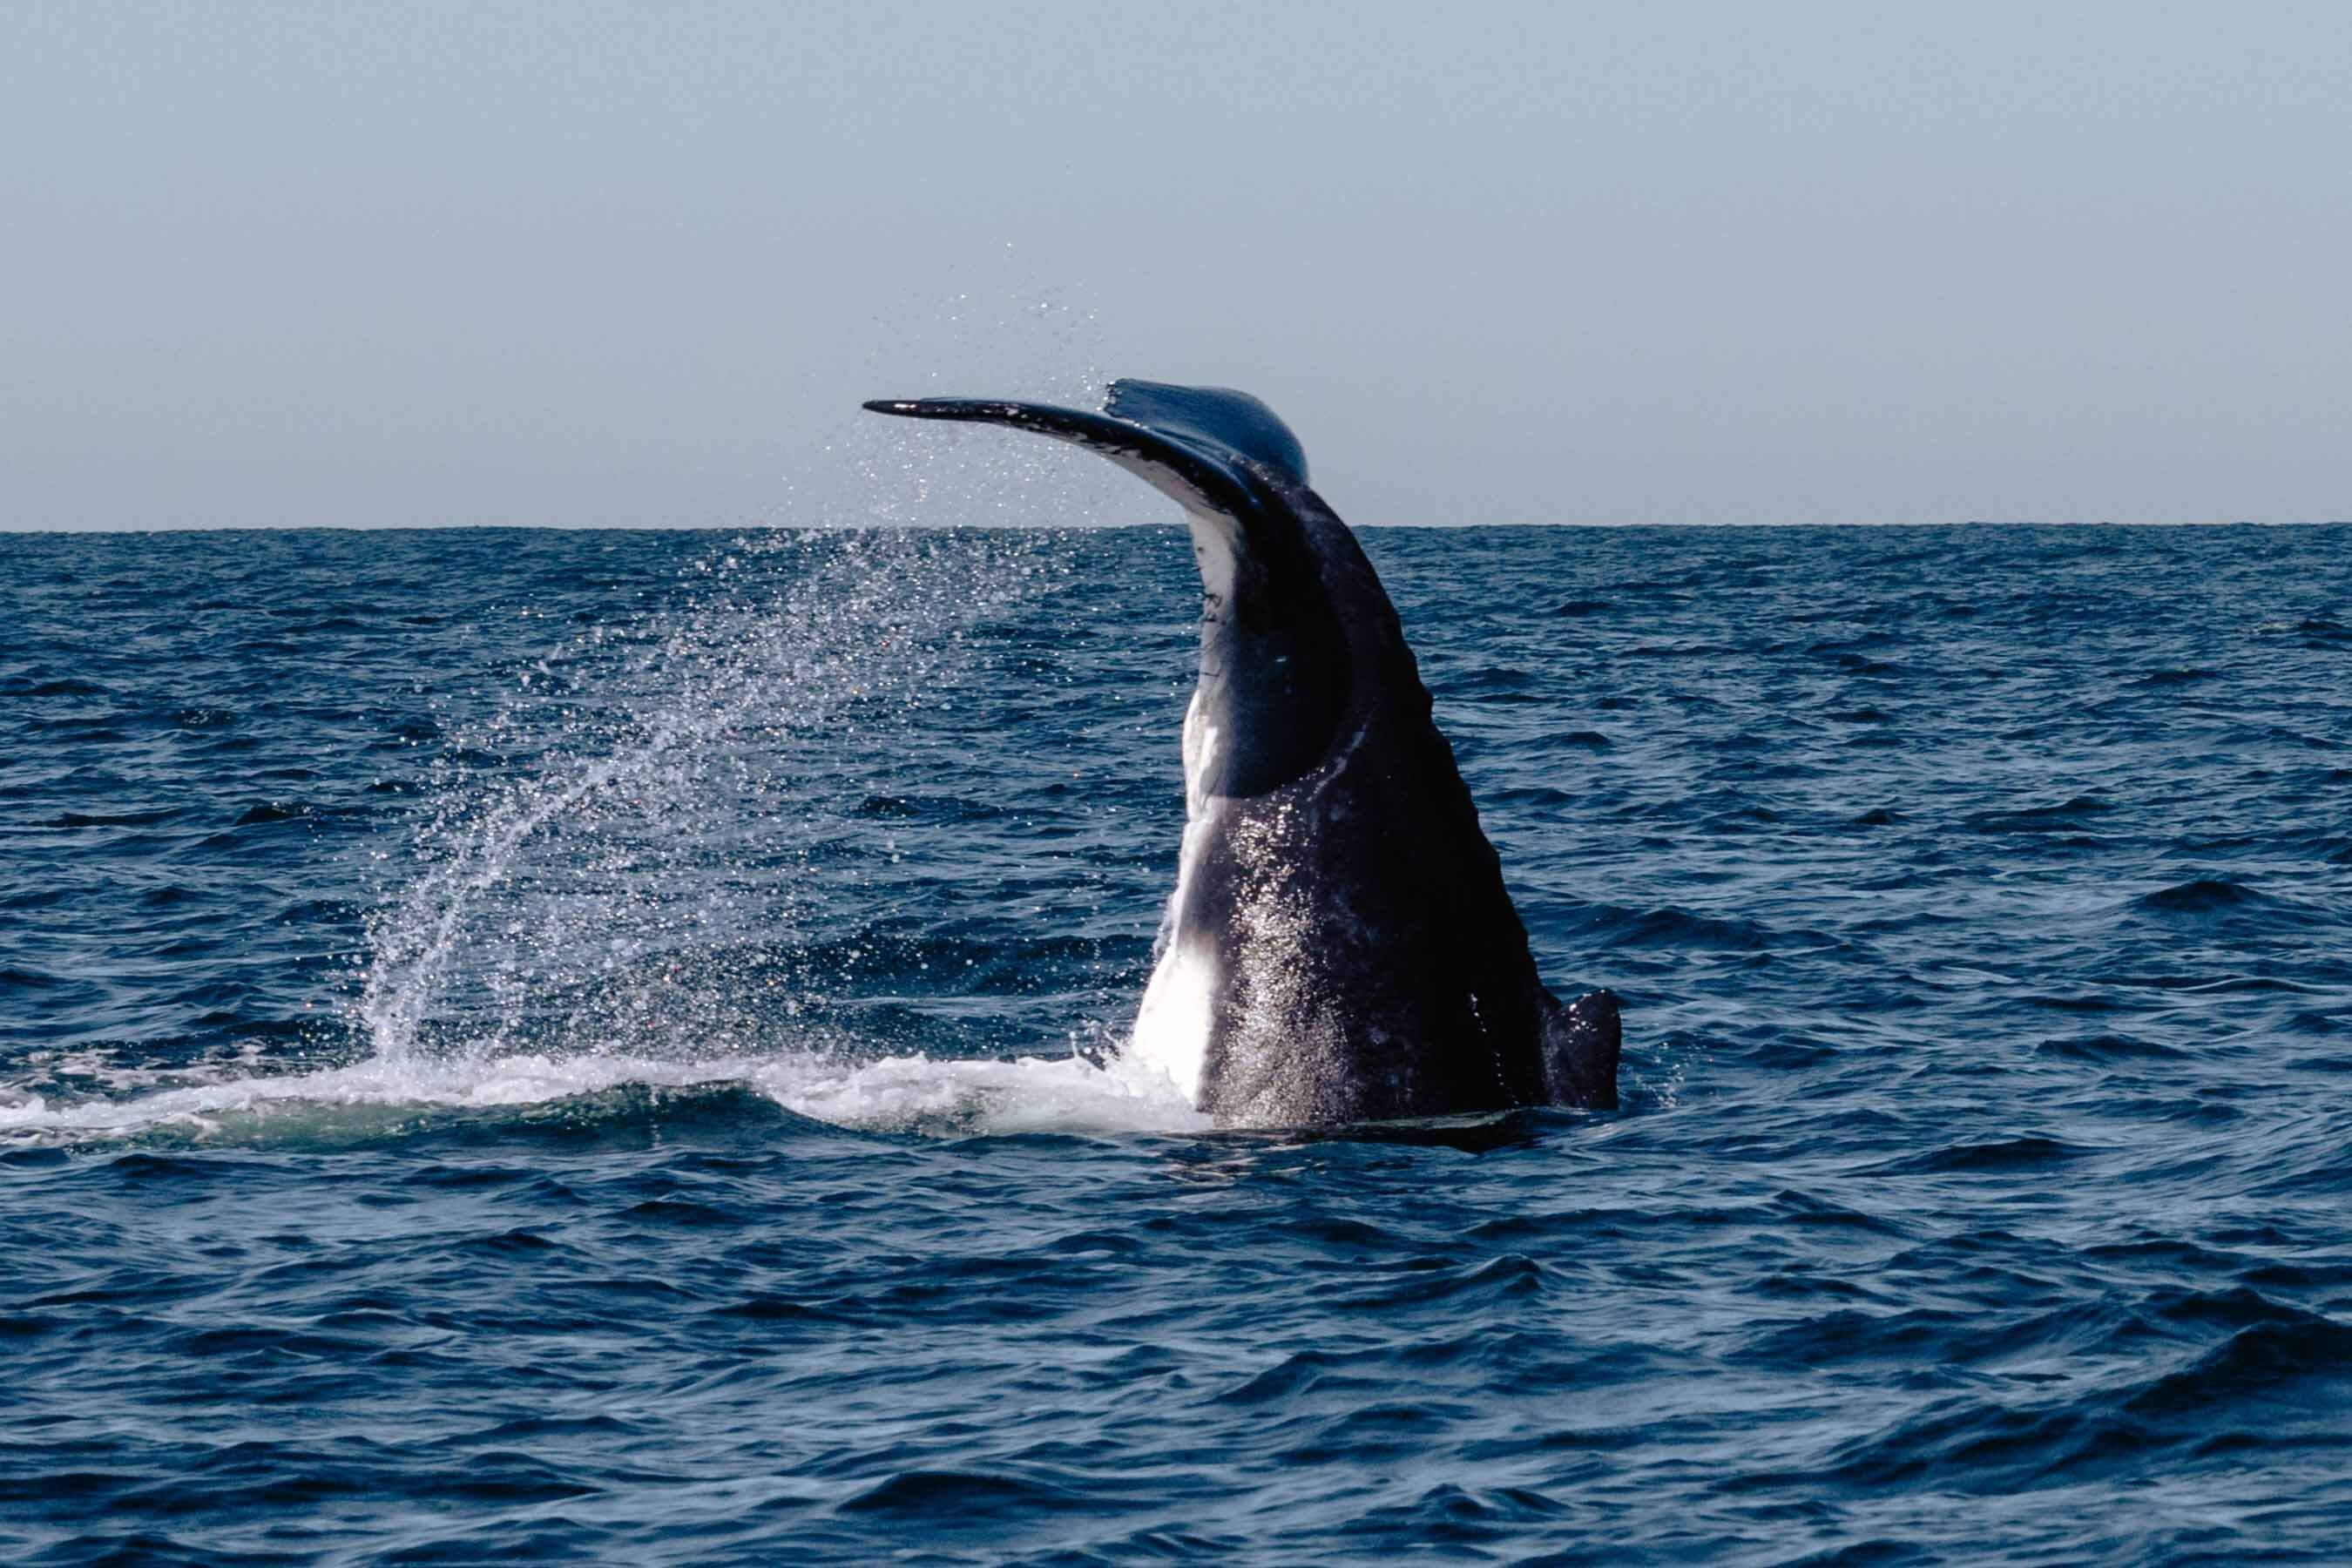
1339	947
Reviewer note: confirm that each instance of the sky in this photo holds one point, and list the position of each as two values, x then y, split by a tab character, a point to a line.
580	264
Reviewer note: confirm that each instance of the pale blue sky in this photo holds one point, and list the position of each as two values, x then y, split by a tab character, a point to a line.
586	264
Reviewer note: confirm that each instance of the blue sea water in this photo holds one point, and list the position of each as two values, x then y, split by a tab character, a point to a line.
541	1045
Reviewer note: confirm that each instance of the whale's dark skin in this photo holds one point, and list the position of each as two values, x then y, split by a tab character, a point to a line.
1340	947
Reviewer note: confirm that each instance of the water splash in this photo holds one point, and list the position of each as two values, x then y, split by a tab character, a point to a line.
637	857
647	855
601	843
637	873
381	1097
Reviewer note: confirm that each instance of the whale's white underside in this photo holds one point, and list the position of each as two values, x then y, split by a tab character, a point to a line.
1173	1024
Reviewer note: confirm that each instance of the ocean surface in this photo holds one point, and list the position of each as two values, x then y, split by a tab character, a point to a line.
550	1045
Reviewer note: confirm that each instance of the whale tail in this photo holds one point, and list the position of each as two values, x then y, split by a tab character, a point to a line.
1197	445
1580	1052
1324	749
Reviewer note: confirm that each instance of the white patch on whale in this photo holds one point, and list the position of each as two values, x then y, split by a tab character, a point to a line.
1174	1022
1172	1026
1216	552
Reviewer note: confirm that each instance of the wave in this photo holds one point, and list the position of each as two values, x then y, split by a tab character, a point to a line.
2271	1381
2041	818
1992	1156
2106	1049
1618	926
2215	897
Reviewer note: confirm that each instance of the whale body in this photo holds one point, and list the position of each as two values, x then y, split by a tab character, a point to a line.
1340	946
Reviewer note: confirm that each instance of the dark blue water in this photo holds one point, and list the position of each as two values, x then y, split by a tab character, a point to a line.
511	1045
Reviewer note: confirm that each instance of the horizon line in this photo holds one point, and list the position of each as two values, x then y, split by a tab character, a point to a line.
9	530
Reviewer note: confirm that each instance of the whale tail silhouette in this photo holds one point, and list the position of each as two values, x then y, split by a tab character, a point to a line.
1193	445
1383	973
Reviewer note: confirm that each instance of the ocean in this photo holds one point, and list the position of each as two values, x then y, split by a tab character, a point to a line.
543	1045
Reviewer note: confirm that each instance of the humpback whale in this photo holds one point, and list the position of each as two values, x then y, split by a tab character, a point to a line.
1339	947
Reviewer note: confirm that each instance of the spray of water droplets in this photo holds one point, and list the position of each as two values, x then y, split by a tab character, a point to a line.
636	852
667	846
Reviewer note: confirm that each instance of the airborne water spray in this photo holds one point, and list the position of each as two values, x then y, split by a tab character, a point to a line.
633	853
672	848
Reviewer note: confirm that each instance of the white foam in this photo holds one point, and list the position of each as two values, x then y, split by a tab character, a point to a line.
918	1094
1030	1094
